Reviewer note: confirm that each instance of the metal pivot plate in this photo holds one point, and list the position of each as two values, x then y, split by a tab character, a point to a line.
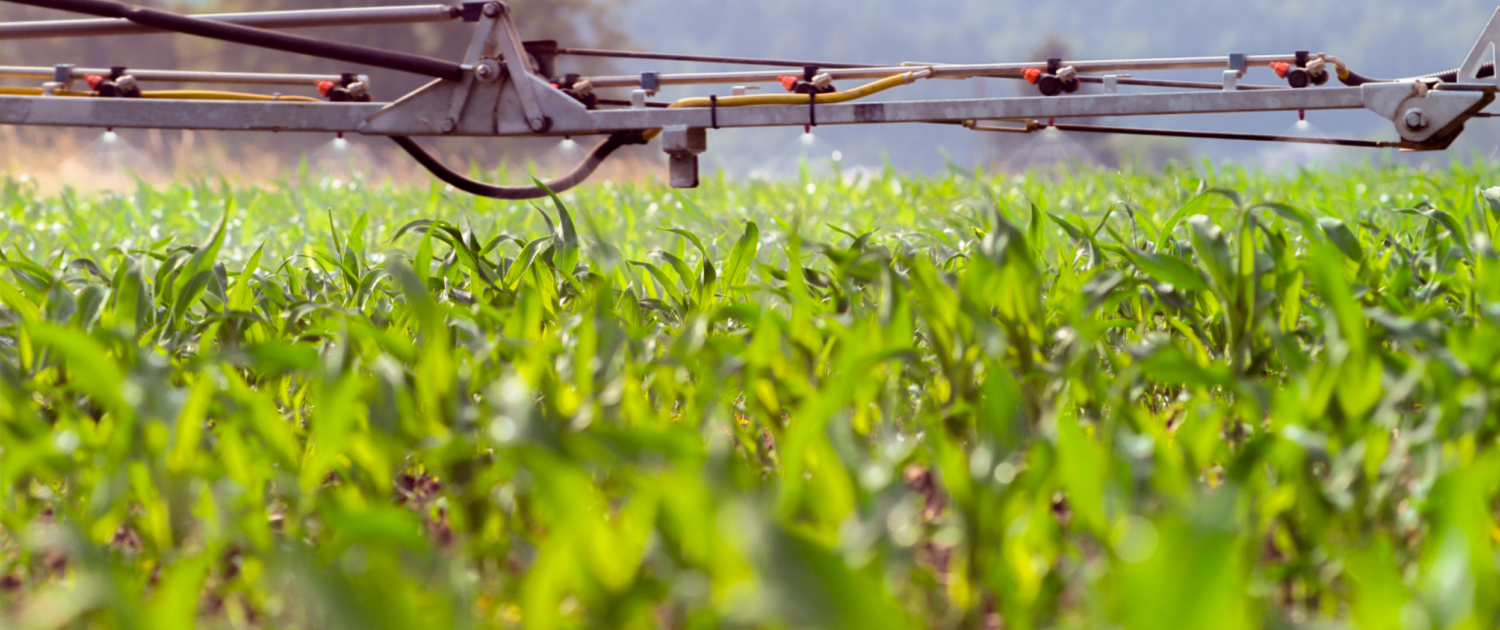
1423	116
1436	118
1483	50
1386	98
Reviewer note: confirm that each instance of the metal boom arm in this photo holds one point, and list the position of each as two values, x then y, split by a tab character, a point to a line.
499	90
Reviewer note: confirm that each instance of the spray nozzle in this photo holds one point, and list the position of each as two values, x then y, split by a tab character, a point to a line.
127	85
119	86
1306	70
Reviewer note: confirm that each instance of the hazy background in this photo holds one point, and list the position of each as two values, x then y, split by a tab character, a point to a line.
1380	39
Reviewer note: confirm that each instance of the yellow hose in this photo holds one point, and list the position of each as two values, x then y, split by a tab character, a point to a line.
211	95
799	99
180	95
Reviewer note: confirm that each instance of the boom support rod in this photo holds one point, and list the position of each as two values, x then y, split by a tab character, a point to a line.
948	71
308	18
175	76
261	38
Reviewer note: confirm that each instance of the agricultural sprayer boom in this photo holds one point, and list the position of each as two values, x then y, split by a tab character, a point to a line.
507	87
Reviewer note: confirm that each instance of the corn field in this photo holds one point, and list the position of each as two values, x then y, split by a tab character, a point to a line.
1204	398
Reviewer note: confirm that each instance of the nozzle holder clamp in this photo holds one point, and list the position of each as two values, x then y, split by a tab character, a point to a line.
63	73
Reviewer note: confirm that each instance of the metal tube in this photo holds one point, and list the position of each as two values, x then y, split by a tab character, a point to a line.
947	71
1191	85
141	113
1030	107
261	38
1219	135
264	19
748	61
176	76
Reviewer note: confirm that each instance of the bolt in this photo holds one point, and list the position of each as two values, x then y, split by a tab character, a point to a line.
492	9
1416	119
484	71
449	125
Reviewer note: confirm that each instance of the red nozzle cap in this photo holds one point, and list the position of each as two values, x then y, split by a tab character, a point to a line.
788	82
94	80
325	86
1280	69
1032	74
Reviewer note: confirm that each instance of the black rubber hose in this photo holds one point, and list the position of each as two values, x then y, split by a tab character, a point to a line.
571	179
1216	135
1451	76
261	38
1447	76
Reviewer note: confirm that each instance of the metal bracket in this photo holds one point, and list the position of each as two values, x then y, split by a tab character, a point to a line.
63	73
1238	64
1434	120
683	144
481	47
1484	48
1425	119
520	70
1386	98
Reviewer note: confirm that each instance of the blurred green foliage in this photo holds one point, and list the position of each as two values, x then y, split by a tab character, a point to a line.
1203	398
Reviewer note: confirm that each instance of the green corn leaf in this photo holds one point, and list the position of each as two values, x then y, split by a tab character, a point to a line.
665	282
94	372
691	237
523	262
1343	238
744	253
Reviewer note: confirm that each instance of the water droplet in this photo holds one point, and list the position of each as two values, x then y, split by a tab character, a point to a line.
1135	539
503	429
838	155
1005	472
808	139
66	441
